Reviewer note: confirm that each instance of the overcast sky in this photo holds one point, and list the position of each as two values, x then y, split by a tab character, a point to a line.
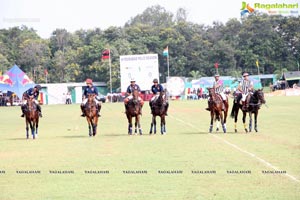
47	15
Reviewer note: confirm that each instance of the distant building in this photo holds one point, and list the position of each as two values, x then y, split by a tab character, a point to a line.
291	78
55	93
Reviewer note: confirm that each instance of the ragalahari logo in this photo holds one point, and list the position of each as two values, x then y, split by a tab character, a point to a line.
6	80
246	9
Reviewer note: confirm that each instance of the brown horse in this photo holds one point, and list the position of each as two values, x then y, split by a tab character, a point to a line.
256	100
133	109
216	107
31	117
159	109
91	114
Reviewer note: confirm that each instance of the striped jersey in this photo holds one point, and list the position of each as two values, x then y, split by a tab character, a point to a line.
245	84
220	88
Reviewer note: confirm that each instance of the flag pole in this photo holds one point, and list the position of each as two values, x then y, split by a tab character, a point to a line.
257	65
168	64
109	60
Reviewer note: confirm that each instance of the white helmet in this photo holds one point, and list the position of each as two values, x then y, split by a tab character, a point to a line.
132	79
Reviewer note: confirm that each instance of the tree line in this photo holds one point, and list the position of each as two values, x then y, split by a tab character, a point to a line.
237	45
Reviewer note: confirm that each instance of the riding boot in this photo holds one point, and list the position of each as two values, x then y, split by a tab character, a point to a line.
82	106
247	102
98	110
39	109
244	106
223	105
126	107
167	106
208	109
23	108
150	104
141	110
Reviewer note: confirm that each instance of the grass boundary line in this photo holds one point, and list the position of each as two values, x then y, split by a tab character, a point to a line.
268	164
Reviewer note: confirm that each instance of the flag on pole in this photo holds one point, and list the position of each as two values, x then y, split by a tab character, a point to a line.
257	64
105	54
166	52
46	72
216	65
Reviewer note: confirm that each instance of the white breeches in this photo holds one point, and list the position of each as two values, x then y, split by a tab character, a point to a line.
223	96
86	99
244	96
25	102
154	97
130	97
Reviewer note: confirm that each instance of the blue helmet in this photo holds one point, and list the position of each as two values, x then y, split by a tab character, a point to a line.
39	87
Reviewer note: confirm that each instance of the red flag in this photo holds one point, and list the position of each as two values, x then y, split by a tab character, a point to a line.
105	54
216	65
46	72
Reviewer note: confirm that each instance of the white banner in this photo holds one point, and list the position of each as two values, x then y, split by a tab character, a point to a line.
143	68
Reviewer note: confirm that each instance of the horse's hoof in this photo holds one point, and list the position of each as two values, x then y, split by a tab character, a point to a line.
256	130
217	129
246	130
235	130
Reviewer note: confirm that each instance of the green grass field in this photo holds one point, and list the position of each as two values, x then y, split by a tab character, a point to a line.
63	145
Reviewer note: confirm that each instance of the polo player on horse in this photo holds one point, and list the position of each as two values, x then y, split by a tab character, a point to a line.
133	86
32	92
245	87
90	89
156	90
218	86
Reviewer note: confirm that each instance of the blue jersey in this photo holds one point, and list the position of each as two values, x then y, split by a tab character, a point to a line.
90	90
156	89
33	93
131	88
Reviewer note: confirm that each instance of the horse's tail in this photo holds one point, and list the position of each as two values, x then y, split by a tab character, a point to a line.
233	110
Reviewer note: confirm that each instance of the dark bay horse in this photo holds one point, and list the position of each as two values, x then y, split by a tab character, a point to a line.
256	100
31	117
215	107
133	110
91	114
159	109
